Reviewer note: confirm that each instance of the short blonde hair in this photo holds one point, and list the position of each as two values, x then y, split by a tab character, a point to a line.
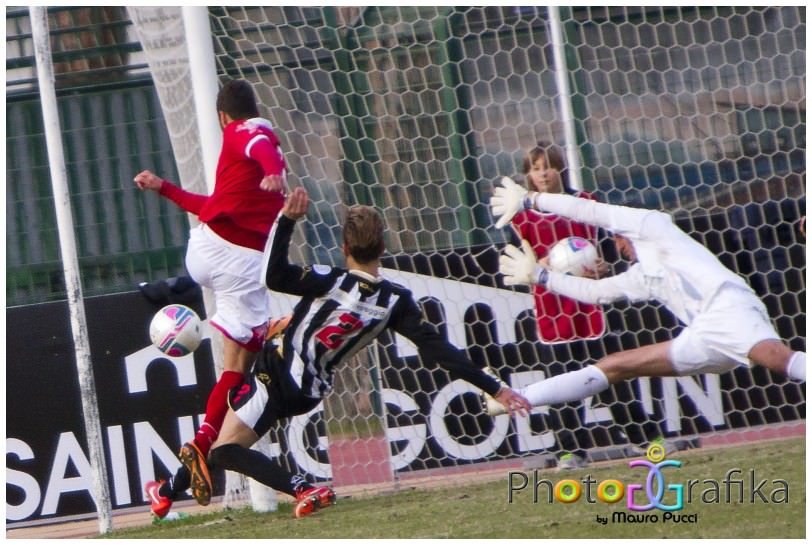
363	234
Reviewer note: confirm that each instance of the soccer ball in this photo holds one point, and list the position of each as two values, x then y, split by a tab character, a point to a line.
175	330
573	255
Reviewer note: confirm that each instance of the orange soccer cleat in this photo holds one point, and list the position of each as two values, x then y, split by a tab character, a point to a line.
193	459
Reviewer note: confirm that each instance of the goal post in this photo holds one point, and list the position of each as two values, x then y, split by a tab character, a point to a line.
67	244
696	111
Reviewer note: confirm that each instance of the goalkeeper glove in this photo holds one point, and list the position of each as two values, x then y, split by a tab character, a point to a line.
520	266
507	201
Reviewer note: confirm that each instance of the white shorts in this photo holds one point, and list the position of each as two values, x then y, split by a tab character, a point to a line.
250	402
721	337
232	272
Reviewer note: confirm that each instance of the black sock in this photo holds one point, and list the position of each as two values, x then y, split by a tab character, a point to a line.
177	484
257	466
299	484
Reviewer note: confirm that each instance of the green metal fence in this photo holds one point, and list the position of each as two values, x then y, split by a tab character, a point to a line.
112	128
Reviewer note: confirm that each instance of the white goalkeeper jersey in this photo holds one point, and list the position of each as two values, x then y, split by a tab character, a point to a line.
671	267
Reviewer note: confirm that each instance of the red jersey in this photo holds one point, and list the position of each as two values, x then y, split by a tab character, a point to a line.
559	318
238	210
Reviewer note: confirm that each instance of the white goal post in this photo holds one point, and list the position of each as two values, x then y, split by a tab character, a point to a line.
67	244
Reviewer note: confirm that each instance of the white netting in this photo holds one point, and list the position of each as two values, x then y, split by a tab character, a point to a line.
161	33
696	111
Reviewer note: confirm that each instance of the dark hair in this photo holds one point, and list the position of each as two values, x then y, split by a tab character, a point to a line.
237	99
363	234
555	159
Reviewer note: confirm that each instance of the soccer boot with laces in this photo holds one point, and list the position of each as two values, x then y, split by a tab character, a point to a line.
571	461
489	403
492	407
667	446
193	459
312	499
159	505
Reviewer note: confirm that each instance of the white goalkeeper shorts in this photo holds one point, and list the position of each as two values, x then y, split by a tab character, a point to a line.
721	337
232	272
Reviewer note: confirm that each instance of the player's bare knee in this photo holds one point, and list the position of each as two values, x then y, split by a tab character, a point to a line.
617	368
772	354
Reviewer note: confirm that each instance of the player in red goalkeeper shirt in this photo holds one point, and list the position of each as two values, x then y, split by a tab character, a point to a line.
225	250
560	319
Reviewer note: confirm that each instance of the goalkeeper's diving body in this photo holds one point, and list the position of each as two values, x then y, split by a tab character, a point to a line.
726	324
341	311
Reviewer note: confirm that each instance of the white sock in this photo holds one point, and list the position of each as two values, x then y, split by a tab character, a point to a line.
572	386
796	368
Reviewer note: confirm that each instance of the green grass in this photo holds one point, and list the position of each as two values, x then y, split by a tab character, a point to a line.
482	510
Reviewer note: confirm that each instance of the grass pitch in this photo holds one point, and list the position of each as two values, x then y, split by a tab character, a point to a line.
457	510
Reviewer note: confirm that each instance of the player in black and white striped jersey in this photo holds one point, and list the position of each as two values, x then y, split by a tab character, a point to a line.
341	310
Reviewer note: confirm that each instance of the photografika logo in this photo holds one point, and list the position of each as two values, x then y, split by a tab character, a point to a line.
655	486
662	489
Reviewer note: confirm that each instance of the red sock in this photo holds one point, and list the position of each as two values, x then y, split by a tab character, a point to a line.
216	409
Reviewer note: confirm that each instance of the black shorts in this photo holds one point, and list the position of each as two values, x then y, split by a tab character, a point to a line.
269	393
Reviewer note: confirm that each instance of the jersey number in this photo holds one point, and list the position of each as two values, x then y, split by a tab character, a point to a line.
332	336
244	389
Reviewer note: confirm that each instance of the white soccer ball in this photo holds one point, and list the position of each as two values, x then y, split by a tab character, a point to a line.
175	330
573	255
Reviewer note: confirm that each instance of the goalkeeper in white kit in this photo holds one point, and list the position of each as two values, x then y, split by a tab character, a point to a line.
726	324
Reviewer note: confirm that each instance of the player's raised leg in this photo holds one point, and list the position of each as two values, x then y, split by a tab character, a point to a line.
237	361
232	451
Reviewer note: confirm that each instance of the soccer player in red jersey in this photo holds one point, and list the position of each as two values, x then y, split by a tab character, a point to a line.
559	318
225	251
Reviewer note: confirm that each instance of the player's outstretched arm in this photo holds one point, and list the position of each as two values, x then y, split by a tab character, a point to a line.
511	198
191	202
407	320
278	273
520	268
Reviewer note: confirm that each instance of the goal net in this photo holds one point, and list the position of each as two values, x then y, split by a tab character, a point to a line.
697	111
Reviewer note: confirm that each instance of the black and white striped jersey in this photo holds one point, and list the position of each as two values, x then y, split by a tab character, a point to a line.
341	311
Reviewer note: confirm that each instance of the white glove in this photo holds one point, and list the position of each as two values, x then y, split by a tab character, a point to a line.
507	201
519	266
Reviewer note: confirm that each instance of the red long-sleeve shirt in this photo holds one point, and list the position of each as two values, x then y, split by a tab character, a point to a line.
559	318
238	210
